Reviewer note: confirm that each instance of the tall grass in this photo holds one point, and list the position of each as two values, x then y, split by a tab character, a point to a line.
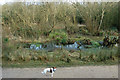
14	53
21	54
100	55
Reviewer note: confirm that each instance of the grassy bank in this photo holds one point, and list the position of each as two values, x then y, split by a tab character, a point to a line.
60	58
15	55
33	64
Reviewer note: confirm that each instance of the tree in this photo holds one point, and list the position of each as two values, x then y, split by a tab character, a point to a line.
95	15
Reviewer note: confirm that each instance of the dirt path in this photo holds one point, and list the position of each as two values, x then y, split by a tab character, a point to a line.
66	72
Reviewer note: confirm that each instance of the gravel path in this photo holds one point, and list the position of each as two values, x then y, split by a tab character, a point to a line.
64	72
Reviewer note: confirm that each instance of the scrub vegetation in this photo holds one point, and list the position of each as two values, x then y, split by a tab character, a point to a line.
92	25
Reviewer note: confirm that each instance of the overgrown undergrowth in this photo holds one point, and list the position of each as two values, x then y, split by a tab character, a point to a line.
62	23
60	58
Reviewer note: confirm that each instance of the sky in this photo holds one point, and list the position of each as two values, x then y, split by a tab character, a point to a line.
2	2
5	1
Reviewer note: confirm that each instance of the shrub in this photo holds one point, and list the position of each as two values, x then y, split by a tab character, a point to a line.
95	44
83	30
9	46
60	37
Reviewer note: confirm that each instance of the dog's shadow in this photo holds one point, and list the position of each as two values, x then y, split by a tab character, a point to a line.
48	75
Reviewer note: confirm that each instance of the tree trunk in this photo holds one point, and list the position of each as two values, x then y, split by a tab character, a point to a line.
101	19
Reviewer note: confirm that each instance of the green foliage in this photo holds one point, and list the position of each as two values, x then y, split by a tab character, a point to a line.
83	30
95	44
59	37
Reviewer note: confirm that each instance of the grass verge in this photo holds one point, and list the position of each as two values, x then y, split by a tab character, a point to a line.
60	58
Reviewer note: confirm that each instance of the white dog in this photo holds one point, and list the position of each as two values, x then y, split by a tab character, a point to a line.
51	70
